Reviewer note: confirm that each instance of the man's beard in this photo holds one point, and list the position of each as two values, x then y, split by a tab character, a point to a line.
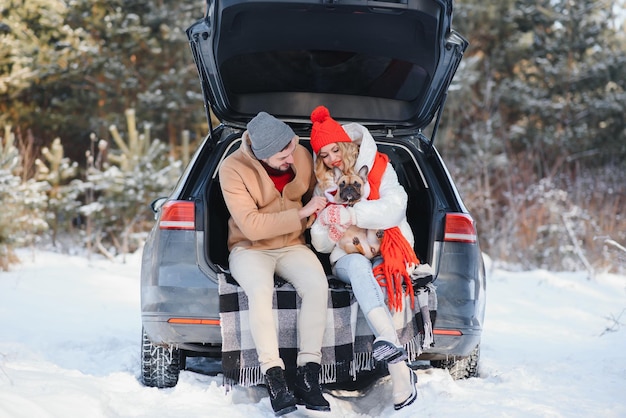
276	170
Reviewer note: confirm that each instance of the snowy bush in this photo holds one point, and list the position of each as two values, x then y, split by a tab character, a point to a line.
570	221
23	204
120	185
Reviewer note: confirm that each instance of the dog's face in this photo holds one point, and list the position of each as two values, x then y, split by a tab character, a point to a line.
350	186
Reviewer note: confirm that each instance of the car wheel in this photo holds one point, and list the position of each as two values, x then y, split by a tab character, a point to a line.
160	364
460	367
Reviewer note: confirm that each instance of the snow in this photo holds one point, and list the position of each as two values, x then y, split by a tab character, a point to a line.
554	345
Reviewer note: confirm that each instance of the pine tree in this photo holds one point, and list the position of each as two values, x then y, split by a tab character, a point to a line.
143	62
42	64
567	98
57	171
71	68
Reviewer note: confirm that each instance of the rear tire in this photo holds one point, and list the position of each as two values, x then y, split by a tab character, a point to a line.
460	367
160	364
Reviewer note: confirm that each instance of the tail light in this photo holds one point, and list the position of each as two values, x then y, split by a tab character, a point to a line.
460	228
195	321
178	214
452	332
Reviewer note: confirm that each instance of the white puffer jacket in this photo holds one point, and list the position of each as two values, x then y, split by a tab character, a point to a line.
383	213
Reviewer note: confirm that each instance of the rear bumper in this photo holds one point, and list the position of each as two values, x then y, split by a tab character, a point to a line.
448	346
199	338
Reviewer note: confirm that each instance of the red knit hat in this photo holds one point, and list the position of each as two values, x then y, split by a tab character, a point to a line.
325	129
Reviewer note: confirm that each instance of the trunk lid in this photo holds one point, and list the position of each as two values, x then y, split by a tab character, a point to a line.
385	64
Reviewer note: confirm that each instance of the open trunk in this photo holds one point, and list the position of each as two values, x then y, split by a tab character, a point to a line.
419	210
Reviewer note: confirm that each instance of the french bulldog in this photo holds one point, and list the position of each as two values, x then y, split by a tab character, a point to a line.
349	192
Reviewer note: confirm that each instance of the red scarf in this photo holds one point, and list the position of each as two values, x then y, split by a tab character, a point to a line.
397	253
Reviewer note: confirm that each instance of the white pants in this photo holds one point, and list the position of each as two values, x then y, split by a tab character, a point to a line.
254	271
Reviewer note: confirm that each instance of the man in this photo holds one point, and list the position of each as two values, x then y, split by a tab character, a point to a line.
264	183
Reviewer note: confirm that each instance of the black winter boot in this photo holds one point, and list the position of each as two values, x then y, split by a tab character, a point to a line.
283	401
308	390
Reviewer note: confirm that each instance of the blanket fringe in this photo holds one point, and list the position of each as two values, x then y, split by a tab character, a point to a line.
332	373
413	348
252	376
248	376
328	373
424	296
364	361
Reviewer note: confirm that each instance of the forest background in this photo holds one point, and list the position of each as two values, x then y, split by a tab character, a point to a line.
100	109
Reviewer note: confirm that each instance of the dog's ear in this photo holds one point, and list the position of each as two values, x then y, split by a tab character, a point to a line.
363	173
338	173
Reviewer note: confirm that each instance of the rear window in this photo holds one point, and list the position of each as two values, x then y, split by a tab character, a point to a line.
372	62
332	72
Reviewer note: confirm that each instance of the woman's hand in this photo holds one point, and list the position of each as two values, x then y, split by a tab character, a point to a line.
338	219
338	215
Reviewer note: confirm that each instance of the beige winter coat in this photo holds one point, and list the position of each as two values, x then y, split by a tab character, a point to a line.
262	218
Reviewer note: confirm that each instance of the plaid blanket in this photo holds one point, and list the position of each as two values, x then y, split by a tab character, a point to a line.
347	344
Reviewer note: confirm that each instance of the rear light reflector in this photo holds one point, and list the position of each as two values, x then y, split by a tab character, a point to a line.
453	332
178	214
194	321
460	228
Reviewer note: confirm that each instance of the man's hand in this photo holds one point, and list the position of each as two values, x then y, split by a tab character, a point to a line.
315	205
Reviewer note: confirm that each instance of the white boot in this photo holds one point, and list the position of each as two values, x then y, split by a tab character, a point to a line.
387	347
404	382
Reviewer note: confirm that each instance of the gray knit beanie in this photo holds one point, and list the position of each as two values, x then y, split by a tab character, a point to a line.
268	135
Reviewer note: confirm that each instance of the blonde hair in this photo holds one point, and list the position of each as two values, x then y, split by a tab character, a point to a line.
349	154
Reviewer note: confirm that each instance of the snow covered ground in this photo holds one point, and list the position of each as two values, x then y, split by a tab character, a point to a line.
554	345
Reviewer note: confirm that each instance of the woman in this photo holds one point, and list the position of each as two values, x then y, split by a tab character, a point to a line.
347	148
